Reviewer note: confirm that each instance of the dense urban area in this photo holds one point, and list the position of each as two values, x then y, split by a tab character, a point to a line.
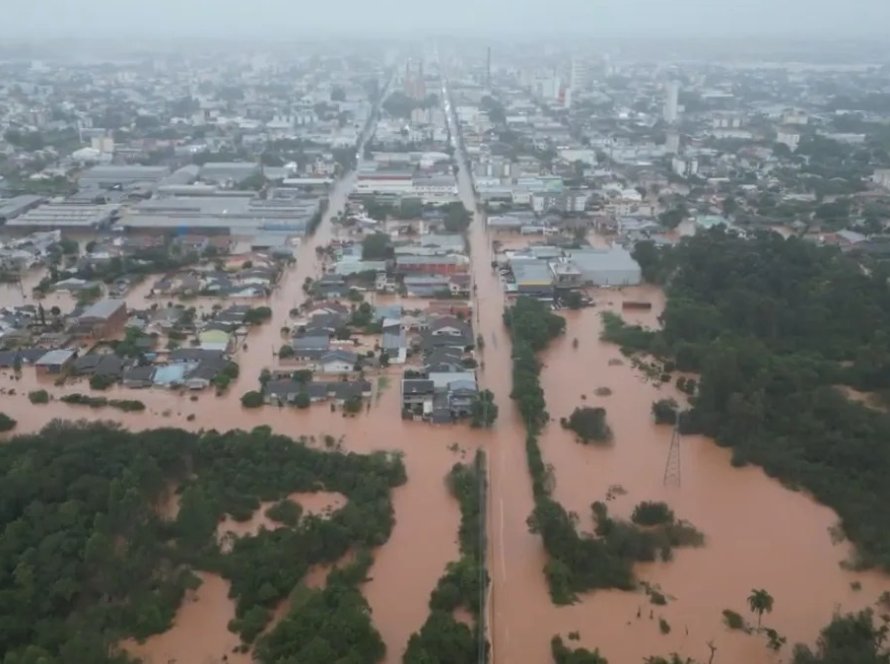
448	352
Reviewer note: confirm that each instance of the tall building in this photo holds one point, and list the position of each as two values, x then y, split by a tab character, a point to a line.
671	102
581	76
672	144
488	69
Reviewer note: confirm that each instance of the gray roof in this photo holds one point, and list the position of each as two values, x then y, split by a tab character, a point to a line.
531	271
54	357
417	386
103	309
311	343
338	356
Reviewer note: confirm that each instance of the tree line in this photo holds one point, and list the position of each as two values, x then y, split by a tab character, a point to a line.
773	326
442	639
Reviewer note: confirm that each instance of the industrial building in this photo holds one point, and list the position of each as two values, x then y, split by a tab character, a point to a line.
65	216
606	267
122	177
240	214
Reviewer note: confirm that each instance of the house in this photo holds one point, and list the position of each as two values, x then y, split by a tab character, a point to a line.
105	365
310	347
195	355
459	284
417	397
330	286
282	391
138	377
444	360
446	265
395	344
214	339
450	326
336	362
202	376
327	308
426	285
55	361
102	319
343	391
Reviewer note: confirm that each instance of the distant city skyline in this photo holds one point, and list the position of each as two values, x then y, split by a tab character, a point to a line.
277	19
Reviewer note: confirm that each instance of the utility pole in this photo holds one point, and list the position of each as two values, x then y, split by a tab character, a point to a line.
672	476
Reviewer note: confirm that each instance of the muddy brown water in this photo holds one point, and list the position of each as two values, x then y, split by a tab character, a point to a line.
758	534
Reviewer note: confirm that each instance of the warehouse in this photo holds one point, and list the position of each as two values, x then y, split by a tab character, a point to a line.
606	267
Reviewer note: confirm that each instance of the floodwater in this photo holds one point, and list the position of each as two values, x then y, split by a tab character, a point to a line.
758	534
320	503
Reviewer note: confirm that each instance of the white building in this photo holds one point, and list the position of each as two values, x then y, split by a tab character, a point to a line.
684	166
881	178
671	110
788	137
581	76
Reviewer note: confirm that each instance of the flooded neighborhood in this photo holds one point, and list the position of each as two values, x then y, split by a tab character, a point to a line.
344	283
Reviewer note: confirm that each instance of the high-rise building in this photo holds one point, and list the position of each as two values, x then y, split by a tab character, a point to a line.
672	144
581	76
488	69
671	102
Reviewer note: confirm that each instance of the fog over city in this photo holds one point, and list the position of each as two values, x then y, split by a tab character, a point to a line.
609	18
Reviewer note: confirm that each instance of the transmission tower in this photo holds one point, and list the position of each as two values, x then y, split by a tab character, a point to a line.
672	466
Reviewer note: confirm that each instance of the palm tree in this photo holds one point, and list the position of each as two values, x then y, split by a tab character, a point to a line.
760	601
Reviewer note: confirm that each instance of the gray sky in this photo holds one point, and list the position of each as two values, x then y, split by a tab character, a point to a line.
287	18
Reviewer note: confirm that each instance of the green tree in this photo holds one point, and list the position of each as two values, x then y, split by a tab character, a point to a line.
376	246
760	602
6	423
252	399
484	411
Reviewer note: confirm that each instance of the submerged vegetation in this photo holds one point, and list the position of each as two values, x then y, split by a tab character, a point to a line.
442	639
589	424
773	326
577	563
87	560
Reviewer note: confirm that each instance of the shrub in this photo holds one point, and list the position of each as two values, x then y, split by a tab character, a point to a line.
6	423
652	514
285	511
665	411
733	620
663	626
589	424
252	399
101	382
38	397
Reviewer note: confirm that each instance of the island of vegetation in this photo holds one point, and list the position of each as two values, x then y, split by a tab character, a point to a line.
88	559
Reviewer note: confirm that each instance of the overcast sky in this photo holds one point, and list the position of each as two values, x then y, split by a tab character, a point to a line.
286	18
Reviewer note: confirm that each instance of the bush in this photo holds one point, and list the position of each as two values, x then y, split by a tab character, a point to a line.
257	315
102	382
652	514
665	411
285	511
353	405
302	400
663	626
286	351
733	620
38	397
252	399
6	423
589	424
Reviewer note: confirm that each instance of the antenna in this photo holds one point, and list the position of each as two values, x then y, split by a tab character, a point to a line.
672	465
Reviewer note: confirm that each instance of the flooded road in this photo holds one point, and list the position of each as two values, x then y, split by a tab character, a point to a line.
758	534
